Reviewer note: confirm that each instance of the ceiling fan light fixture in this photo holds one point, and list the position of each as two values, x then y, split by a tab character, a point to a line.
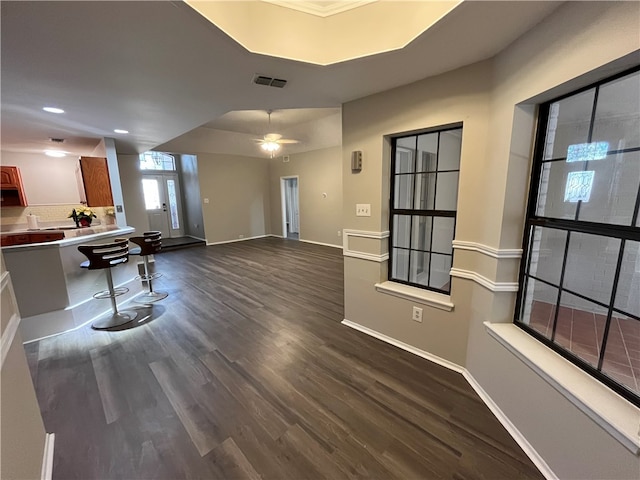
270	146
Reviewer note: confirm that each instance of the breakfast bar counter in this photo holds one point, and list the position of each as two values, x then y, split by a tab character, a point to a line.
53	293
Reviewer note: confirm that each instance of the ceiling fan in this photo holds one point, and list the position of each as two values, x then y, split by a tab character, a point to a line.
272	142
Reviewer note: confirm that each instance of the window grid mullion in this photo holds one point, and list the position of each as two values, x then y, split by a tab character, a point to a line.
589	138
435	187
636	209
561	283
614	290
392	215
603	229
413	204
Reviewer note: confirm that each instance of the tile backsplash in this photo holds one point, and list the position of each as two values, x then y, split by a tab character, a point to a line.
15	218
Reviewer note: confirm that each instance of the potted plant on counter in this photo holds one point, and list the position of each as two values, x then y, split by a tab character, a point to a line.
83	216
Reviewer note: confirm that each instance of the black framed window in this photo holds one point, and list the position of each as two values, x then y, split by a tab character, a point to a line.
580	275
424	194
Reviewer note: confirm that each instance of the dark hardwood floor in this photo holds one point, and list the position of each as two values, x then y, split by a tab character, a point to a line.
245	371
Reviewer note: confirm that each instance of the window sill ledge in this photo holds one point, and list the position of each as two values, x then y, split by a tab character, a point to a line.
617	416
418	295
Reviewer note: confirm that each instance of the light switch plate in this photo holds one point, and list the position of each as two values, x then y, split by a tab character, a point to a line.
363	210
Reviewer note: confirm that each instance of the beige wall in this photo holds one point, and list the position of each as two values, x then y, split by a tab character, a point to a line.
494	179
192	205
319	172
133	197
548	61
238	192
460	96
21	427
46	180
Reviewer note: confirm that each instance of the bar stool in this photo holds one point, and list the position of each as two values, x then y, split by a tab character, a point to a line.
103	257
149	243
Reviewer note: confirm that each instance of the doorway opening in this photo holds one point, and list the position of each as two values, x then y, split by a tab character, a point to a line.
162	197
290	208
162	202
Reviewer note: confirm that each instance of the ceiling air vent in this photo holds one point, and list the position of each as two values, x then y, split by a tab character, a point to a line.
269	81
56	140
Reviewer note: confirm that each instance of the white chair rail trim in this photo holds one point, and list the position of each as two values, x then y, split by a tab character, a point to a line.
487	250
14	322
346	233
484	281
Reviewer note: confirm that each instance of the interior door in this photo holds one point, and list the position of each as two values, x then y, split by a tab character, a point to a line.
290	207
293	214
162	203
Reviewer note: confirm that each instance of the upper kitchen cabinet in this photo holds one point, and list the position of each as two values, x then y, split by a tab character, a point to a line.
93	182
12	191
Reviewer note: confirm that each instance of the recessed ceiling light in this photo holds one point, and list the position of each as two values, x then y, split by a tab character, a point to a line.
53	110
118	130
55	153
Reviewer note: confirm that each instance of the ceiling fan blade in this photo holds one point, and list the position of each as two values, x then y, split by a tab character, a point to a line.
287	140
272	137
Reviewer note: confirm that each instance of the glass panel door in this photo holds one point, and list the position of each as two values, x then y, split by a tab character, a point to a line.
162	203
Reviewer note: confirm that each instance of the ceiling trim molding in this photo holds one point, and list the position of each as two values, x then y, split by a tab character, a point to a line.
314	8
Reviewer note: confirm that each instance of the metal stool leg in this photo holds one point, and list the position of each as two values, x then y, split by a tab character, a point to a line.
150	296
116	318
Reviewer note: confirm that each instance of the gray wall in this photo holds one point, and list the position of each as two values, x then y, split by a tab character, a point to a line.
192	204
494	178
238	192
244	195
319	172
131	183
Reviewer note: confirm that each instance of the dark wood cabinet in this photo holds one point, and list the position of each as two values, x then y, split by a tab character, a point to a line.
9	239
11	189
93	182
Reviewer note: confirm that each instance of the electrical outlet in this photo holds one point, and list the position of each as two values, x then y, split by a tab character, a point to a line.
363	210
417	314
240	236
205	200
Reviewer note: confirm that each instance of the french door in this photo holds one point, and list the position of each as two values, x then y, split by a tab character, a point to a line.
162	203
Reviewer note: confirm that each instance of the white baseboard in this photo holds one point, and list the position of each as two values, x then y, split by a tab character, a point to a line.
320	243
237	240
520	439
308	241
47	457
404	346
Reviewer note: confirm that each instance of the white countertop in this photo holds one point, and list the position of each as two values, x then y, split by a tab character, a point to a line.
74	236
